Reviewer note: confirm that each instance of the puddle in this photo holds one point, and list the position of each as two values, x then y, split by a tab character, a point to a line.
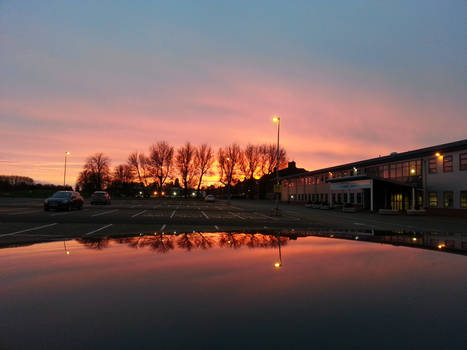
234	291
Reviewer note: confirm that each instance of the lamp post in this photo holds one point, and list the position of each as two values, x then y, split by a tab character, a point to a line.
64	171
277	120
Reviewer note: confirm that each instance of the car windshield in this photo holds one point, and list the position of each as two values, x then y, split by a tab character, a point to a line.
62	195
99	194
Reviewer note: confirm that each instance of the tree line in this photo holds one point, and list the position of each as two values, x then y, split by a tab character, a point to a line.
186	166
164	243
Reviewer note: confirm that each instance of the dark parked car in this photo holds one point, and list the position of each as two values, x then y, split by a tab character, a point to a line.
66	200
101	197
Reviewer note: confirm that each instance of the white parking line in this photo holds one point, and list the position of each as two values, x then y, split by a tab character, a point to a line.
204	214
25	212
238	216
27	230
163	228
105	212
216	227
173	214
141	212
99	229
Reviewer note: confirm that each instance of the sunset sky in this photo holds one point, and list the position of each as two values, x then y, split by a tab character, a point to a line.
350	79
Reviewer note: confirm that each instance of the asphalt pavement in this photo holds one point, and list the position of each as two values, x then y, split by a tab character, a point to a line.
24	221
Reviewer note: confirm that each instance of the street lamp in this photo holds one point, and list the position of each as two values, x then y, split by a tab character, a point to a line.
64	172
277	120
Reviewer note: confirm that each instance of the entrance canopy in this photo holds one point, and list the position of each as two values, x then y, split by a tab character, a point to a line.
380	190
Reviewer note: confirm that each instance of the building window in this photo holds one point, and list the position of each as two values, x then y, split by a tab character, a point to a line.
392	171
339	198
463	161
352	197
432	166
463	199
447	164
397	201
386	171
433	199
448	199
359	197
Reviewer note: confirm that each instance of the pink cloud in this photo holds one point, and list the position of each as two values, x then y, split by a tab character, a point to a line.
323	122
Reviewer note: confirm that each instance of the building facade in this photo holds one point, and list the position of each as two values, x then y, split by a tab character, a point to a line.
433	177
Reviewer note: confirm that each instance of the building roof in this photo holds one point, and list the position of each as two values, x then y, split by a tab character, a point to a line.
393	157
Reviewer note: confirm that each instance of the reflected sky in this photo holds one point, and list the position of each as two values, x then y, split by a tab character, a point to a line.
194	291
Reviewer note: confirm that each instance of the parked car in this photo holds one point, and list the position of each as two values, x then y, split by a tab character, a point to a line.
100	197
210	198
65	200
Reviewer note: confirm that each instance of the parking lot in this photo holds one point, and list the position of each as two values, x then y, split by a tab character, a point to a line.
24	220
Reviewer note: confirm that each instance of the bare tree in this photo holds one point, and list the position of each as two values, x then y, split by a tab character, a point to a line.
228	159
204	157
184	163
96	172
138	164
123	174
160	162
251	160
269	158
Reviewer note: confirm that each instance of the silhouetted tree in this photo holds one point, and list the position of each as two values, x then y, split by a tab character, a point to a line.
204	157
160	162
185	241
228	159
138	163
269	158
123	174
251	161
95	174
184	163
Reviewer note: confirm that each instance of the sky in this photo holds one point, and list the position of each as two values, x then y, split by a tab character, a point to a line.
350	79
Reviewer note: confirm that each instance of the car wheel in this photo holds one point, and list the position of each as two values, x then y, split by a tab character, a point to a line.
69	207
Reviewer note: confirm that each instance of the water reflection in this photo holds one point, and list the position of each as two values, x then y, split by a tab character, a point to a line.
67	252
332	292
164	243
